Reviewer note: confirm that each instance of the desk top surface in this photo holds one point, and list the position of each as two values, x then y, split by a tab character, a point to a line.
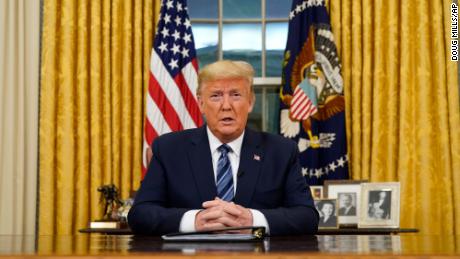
347	246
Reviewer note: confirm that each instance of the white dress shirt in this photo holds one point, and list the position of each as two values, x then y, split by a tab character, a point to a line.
188	220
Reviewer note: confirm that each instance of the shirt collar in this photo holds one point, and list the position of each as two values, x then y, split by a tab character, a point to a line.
215	143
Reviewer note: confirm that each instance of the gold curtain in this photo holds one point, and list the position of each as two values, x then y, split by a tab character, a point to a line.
403	104
94	73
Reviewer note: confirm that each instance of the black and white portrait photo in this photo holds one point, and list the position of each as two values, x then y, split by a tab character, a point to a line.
347	203
327	213
379	205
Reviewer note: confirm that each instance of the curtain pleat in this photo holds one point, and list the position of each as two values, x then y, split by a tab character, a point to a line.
402	100
94	77
19	64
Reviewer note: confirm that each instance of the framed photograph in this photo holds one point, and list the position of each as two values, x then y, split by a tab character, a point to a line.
327	209
316	191
348	195
380	205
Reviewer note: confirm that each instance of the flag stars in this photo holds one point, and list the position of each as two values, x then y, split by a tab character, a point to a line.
179	7
332	166
322	171
176	35
178	20
175	49
163	47
304	172
187	38
298	9
165	32
184	53
341	162
318	172
173	64
304	5
187	23
169	4
167	18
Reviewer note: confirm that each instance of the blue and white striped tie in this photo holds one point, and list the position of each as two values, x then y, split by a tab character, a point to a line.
224	175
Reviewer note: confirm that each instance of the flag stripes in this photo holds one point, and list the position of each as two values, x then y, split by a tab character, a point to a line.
301	106
171	102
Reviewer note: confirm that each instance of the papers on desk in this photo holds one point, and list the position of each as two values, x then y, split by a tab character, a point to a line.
218	235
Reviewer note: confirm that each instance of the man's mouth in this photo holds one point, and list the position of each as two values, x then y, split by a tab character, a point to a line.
227	119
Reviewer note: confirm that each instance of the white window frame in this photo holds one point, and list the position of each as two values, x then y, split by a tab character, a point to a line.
263	83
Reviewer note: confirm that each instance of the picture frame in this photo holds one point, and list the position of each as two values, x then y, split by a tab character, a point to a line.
380	205
348	195
327	209
316	191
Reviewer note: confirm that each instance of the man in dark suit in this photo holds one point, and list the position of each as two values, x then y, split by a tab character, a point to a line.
346	205
224	174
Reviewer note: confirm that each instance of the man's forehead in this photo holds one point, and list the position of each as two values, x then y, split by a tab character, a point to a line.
219	85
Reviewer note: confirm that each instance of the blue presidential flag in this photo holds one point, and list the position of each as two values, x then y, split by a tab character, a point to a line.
312	109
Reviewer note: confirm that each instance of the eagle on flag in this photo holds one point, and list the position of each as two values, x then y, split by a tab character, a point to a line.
312	107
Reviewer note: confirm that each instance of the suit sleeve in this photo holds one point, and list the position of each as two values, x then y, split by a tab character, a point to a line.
150	214
298	214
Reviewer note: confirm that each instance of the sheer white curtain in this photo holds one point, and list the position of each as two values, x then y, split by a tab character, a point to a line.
19	70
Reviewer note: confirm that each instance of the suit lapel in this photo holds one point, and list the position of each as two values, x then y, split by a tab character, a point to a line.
201	163
251	159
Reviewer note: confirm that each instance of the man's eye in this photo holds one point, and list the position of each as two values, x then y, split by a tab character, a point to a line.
215	97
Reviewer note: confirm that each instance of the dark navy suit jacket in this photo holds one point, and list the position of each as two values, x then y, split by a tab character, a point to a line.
180	178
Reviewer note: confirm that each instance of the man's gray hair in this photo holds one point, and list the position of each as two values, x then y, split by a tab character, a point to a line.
226	69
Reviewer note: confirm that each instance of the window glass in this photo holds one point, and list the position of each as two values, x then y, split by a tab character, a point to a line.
278	8
206	42
255	117
276	33
241	9
243	41
203	9
272	104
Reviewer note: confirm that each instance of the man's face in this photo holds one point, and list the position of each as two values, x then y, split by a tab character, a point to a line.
226	104
327	209
346	201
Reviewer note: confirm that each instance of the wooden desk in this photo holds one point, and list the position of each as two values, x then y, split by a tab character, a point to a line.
325	246
340	231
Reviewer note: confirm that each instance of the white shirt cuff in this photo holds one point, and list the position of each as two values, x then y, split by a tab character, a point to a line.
187	223
258	219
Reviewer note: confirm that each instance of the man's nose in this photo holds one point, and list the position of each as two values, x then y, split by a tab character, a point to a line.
226	102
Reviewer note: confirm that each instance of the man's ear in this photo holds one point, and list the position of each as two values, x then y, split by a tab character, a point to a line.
200	103
252	102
